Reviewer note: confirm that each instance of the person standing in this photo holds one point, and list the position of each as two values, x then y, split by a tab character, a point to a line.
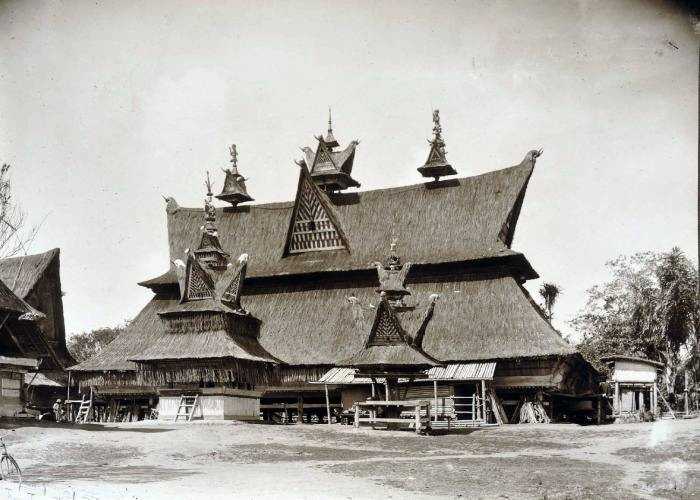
58	411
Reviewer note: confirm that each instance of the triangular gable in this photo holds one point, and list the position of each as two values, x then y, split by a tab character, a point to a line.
323	160
313	225
198	284
386	329
436	155
230	285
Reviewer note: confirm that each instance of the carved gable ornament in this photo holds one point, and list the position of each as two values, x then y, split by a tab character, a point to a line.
313	226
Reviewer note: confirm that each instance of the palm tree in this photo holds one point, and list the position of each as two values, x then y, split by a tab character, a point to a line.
549	293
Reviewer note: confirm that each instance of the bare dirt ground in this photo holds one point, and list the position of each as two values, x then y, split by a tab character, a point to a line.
235	460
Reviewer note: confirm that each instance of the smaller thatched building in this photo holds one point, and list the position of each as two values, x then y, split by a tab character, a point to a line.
32	331
633	380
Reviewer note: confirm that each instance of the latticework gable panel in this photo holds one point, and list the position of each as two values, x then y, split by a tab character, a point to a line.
323	161
312	228
231	294
387	330
197	286
435	155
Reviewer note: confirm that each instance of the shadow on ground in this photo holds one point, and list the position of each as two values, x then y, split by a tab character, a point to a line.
47	473
90	427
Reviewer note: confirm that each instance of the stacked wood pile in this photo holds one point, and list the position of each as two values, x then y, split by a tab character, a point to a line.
532	412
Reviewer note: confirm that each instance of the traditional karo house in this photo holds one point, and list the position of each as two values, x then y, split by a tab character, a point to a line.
33	350
305	302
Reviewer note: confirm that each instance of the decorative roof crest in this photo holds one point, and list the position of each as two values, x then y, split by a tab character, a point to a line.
436	165
234	190
209	210
234	160
392	276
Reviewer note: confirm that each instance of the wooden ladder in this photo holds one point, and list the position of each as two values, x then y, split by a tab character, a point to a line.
84	411
497	407
188	404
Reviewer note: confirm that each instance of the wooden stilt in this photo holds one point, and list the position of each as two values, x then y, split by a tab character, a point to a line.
435	398
300	408
483	400
328	404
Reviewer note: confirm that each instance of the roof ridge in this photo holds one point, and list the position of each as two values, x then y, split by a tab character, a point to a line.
282	205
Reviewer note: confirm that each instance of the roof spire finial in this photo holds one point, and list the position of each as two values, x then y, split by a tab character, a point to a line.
393	261
234	191
436	165
207	183
234	158
330	140
437	128
209	210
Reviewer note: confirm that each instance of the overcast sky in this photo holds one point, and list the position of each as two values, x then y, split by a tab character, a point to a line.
106	106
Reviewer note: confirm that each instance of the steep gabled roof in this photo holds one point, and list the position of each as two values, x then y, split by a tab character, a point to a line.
388	344
455	220
21	274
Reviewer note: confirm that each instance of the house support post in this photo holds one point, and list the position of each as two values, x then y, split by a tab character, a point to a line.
640	401
435	399
328	404
616	400
483	400
300	408
417	416
655	399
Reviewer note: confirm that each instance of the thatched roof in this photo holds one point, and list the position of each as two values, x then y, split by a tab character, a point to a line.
486	318
21	274
205	345
11	303
146	339
454	220
36	280
388	345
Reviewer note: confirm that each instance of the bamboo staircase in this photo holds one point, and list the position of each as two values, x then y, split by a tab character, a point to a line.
187	407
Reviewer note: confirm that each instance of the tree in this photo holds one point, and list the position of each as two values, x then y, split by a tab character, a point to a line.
13	237
549	293
83	346
649	308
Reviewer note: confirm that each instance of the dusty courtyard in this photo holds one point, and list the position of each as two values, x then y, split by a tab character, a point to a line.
235	460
